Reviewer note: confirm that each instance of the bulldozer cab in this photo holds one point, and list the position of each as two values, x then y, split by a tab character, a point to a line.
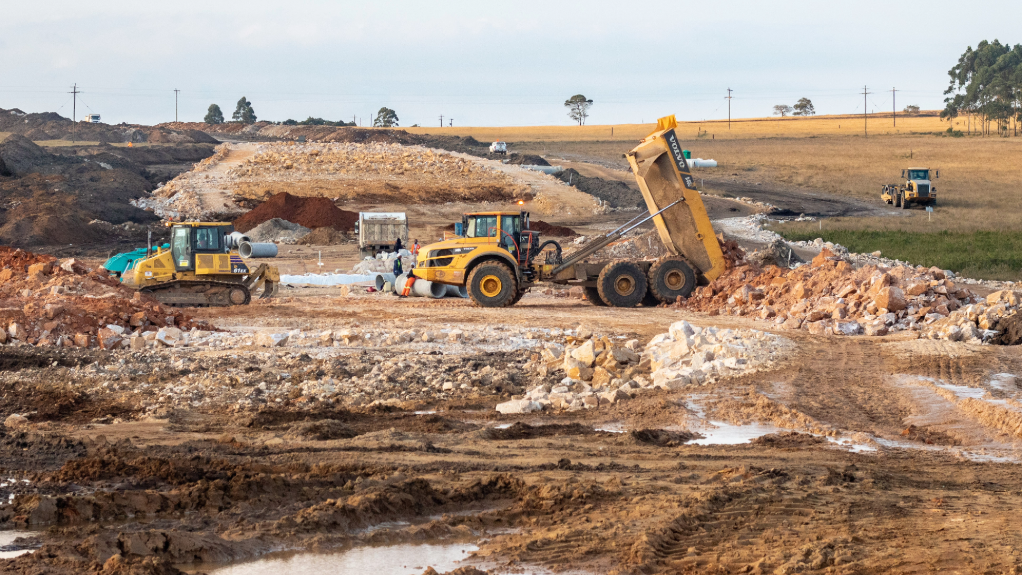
505	229
187	240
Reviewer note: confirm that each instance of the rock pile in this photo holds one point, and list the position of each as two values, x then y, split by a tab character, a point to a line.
278	231
994	319
49	303
599	372
832	297
384	263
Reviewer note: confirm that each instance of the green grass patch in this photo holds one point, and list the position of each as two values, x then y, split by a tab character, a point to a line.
981	255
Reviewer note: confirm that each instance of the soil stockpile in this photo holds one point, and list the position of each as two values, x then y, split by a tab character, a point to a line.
324	237
49	303
306	212
51	126
49	199
551	230
616	194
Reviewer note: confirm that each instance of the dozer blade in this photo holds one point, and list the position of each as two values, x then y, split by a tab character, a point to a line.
664	176
266	276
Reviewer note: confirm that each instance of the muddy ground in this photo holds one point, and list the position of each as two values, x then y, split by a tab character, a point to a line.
868	469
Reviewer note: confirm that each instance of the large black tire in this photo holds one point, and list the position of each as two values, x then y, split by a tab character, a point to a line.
671	277
897	201
593	295
518	296
492	284
622	284
904	203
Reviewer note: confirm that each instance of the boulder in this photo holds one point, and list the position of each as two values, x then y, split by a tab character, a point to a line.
108	338
16	421
82	340
17	331
44	268
138	319
891	298
171	336
517	406
585	353
847	328
1008	297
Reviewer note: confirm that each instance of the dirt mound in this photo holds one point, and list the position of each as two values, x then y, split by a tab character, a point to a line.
1010	329
523	159
49	199
321	430
614	193
51	126
553	230
324	237
788	440
70	306
307	212
521	430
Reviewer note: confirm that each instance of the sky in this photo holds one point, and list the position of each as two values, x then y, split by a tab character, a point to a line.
485	63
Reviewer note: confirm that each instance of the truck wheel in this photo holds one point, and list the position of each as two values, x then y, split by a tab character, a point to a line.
518	296
897	201
593	295
622	284
491	284
904	203
670	278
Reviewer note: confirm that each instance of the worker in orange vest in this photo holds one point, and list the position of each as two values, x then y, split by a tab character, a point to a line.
415	248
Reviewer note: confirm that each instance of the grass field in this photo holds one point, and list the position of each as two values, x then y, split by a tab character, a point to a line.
983	255
745	128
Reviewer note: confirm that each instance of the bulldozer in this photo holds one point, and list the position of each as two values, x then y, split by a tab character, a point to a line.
201	266
917	189
498	258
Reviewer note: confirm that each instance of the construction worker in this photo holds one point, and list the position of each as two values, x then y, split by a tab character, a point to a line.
397	245
415	248
397	266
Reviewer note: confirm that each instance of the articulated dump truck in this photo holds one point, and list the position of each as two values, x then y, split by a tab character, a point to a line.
498	258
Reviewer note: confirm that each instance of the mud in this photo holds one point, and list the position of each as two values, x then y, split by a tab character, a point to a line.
307	212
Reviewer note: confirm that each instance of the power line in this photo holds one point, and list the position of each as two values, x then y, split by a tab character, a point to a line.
894	106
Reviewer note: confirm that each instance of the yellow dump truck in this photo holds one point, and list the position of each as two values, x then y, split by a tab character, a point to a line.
917	189
498	258
205	264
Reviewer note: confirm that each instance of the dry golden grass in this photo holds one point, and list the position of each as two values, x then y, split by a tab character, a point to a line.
788	127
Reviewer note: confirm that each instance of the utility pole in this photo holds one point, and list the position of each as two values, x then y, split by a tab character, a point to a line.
175	103
450	122
74	110
894	106
441	120
729	90
865	129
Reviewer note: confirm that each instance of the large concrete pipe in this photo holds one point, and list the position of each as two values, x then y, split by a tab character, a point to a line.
701	163
383	280
457	291
254	250
235	239
421	288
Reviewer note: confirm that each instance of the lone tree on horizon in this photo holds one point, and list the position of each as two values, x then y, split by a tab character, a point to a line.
244	113
782	110
578	108
385	118
804	107
214	115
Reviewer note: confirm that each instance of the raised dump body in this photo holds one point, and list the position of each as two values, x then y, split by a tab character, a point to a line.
664	176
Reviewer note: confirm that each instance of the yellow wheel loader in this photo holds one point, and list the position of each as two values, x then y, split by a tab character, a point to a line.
498	258
201	266
917	189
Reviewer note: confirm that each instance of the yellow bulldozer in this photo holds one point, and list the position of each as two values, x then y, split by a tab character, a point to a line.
204	265
498	258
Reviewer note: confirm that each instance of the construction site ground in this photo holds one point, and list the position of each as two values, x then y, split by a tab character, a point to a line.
329	419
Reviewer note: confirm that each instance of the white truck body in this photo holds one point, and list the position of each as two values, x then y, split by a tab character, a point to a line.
498	148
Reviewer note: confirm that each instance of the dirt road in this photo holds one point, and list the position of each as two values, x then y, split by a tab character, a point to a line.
867	455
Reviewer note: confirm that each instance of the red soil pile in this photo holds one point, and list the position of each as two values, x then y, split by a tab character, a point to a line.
43	303
309	212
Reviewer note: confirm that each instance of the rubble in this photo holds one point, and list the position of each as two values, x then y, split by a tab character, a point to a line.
67	305
830	296
278	231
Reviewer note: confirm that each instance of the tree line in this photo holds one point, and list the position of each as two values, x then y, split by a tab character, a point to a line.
245	114
986	88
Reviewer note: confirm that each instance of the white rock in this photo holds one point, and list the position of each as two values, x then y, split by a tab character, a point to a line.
517	406
271	339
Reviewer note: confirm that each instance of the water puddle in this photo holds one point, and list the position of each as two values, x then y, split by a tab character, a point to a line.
727	434
1006	382
387	560
10	549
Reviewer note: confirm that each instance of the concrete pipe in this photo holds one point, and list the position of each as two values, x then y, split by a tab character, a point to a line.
701	163
433	290
254	250
383	280
235	239
457	291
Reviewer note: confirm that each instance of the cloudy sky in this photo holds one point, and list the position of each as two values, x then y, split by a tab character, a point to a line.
485	63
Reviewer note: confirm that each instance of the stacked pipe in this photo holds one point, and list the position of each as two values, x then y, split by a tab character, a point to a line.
421	288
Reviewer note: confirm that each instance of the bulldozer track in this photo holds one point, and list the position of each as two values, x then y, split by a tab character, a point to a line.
174	293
